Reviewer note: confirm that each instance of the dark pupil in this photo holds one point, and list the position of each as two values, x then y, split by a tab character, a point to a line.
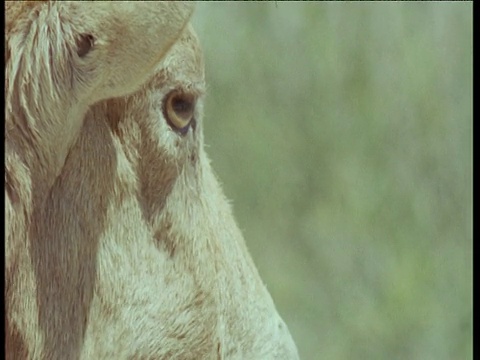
84	44
181	106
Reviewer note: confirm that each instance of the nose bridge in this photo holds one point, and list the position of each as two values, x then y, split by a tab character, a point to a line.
249	324
287	349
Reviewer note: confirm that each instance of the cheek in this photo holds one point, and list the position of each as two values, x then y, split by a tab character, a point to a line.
157	177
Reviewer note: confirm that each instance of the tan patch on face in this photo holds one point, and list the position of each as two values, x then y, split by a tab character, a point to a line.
16	343
68	239
157	175
10	187
163	238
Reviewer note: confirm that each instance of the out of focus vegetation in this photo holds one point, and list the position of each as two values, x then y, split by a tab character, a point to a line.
343	134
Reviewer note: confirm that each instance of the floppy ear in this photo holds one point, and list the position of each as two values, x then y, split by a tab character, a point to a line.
63	53
118	43
37	57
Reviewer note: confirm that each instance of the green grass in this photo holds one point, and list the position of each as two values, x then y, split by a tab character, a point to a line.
343	134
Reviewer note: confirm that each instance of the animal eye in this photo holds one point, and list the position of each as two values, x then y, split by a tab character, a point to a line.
178	109
85	43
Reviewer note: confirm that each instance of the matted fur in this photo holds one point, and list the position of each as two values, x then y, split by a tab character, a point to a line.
119	241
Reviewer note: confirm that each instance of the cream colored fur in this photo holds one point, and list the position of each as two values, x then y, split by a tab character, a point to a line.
119	241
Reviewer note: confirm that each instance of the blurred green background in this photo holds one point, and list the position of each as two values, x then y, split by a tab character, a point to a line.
342	132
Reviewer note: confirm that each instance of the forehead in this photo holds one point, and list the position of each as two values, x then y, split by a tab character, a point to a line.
183	65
